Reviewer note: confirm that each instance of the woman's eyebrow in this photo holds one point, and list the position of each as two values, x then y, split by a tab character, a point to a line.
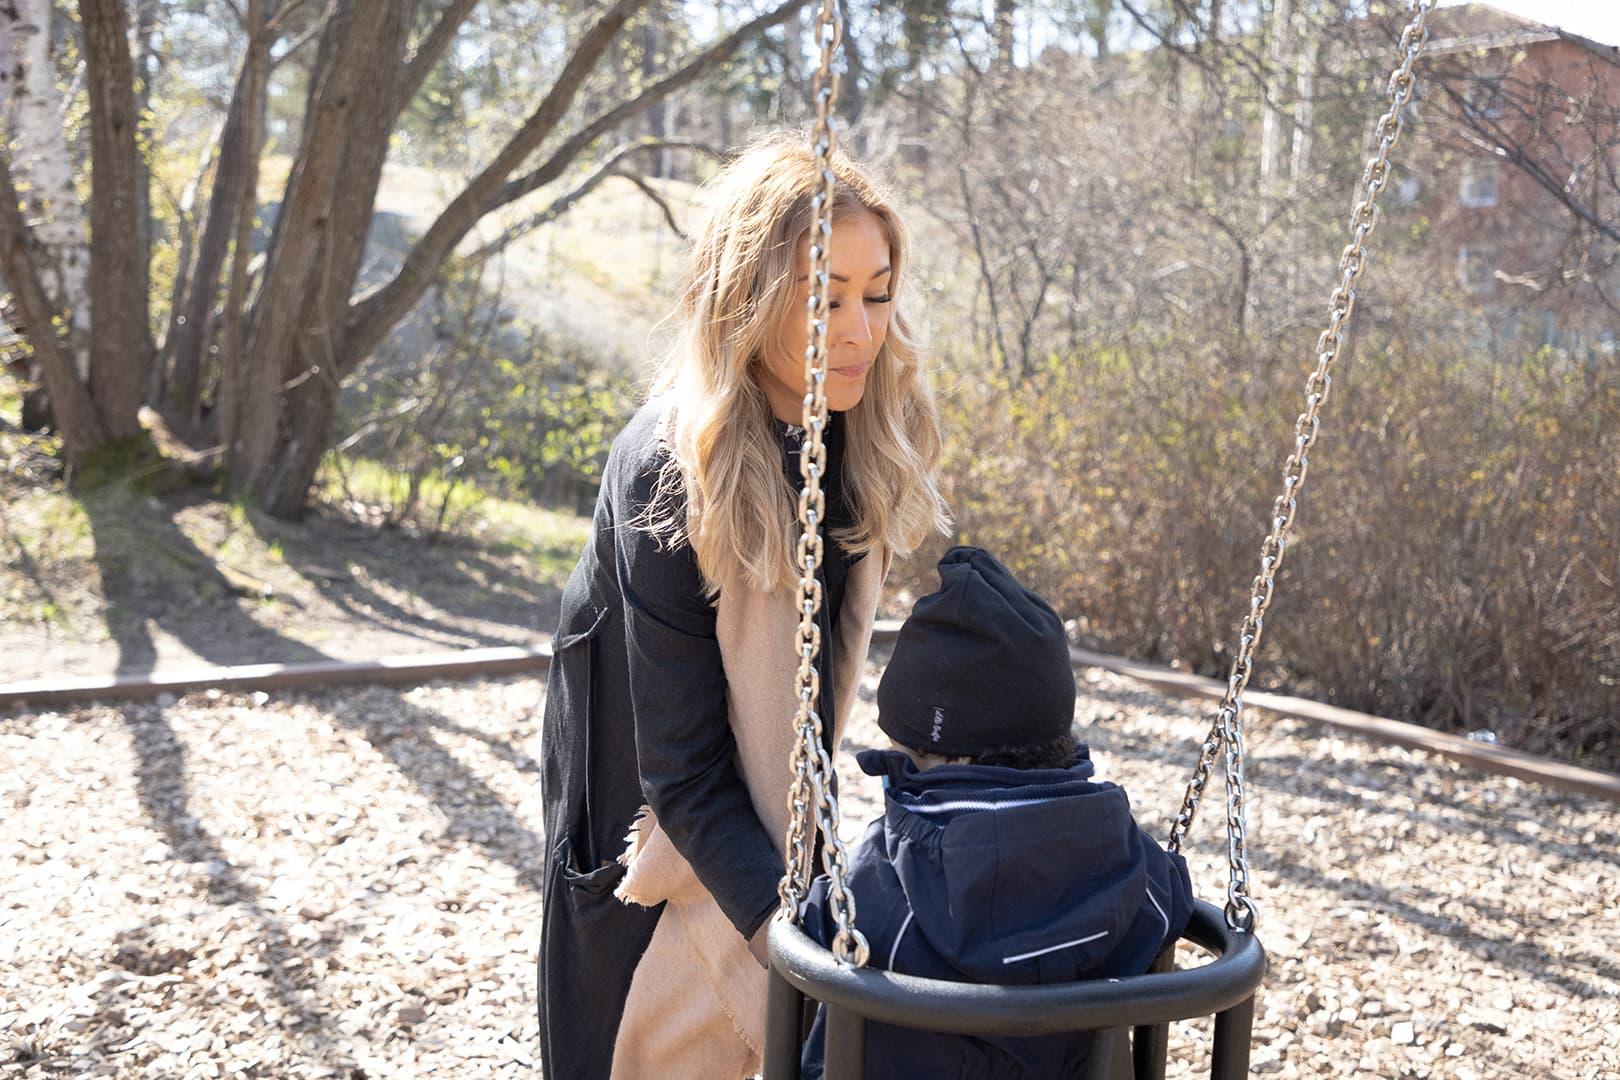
845	280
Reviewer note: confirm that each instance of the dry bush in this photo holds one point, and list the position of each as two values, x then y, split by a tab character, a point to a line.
1455	558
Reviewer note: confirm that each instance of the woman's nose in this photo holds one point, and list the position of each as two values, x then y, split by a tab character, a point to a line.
856	328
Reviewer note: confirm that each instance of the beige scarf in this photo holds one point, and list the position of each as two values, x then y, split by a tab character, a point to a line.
696	1008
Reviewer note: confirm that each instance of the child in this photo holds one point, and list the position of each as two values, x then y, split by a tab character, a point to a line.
998	859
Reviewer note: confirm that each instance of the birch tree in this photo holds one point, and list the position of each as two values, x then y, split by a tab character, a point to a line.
35	117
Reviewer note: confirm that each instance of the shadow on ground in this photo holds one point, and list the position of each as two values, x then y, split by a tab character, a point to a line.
129	583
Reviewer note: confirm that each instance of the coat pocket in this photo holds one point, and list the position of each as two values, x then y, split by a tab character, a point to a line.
585	883
568	730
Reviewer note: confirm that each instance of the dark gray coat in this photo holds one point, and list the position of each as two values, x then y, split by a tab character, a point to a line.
637	716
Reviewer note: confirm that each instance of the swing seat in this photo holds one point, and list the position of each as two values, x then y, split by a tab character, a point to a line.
1130	1015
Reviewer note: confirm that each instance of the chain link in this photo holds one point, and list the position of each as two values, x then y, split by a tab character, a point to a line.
1226	733
812	803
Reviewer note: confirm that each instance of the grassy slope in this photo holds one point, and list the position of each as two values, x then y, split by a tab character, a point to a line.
115	579
115	567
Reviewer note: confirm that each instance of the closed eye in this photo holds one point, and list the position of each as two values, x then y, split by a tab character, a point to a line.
884	299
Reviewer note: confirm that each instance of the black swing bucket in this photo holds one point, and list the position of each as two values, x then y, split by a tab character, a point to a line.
1138	1009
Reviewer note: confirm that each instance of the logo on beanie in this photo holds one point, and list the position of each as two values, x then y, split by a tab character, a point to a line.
939	724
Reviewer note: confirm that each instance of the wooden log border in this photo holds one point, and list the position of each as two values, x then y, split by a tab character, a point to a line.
1481	756
517	660
414	668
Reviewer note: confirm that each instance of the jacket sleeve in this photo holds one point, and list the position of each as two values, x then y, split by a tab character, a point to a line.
815	913
816	919
685	750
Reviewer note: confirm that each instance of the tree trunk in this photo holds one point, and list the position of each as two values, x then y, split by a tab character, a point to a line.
312	403
145	70
1097	15
294	336
1299	161
118	334
250	137
34	109
73	411
190	224
852	101
1278	61
305	332
1005	32
724	103
226	194
652	49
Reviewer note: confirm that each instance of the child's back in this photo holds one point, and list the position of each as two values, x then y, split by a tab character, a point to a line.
995	875
988	873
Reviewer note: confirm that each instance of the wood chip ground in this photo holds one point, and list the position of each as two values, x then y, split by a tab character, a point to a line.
347	884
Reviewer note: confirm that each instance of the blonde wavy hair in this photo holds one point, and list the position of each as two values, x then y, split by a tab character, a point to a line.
741	513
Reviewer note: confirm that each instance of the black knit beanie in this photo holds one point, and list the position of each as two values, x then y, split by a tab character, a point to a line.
981	664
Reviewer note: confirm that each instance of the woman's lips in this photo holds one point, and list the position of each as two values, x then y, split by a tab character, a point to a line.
853	371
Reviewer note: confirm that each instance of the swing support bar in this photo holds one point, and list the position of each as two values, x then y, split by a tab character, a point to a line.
1224	988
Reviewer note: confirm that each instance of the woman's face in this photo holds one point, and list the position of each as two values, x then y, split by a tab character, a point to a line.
858	319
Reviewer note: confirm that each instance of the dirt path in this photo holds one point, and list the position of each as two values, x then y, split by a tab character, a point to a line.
345	884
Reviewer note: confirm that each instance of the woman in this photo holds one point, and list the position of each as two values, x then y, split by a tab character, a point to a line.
668	721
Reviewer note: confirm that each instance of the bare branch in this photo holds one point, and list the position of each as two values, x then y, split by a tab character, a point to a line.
986	274
658	200
1491	135
609	166
709	58
374	313
1251	62
273	27
427	54
298	43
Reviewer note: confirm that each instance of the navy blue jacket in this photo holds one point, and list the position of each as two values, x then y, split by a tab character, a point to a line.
993	875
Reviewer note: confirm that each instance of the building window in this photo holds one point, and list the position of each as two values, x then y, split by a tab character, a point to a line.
1548	334
1485	96
1476	269
1478	187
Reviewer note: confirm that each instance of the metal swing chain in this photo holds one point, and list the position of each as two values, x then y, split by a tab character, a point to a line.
1226	733
811	791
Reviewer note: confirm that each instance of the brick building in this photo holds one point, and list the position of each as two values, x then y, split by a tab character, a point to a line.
1511	109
